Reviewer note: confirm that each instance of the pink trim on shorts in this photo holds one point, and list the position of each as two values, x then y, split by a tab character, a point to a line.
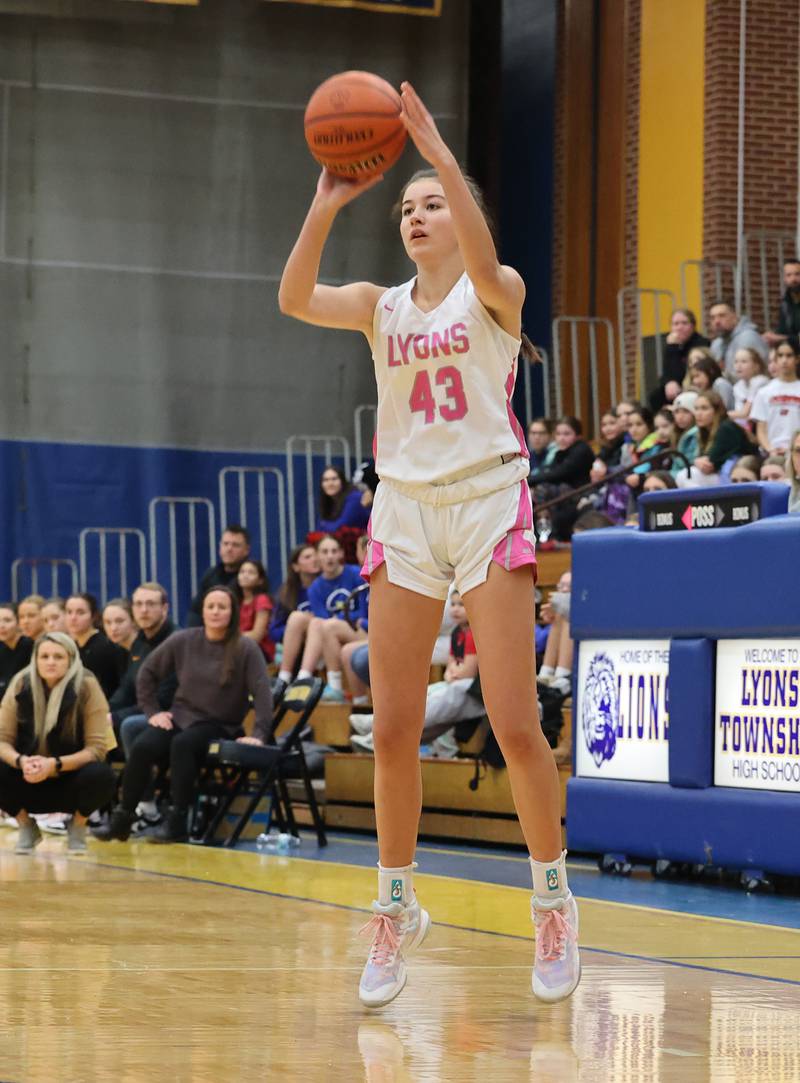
375	555
515	550
513	421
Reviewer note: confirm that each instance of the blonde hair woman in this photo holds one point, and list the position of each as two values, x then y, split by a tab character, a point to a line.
53	741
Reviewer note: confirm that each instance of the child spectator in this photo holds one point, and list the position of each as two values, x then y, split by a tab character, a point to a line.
541	445
793	471
751	371
256	607
218	671
327	597
570	469
15	648
53	615
556	669
292	613
746	469
665	430
612	439
447	701
118	623
659	480
705	374
29	614
341	504
686	427
105	660
774	469
53	740
641	427
719	439
776	408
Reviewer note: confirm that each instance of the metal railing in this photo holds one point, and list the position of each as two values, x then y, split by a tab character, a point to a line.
325	445
763	271
528	368
585	392
723	272
35	563
258	475
368	410
638	292
103	534
176	580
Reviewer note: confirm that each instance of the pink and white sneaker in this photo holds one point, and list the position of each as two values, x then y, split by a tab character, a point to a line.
557	966
397	931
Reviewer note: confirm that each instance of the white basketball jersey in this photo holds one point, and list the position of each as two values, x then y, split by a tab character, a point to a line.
445	380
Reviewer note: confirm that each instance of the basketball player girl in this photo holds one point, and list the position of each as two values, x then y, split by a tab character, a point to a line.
453	503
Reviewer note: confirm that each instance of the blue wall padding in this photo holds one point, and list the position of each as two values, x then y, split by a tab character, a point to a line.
628	583
774	497
737	829
691	713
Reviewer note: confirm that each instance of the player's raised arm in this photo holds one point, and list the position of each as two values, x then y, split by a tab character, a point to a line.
300	294
499	288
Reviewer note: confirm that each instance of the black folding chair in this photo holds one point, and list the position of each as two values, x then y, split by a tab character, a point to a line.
254	771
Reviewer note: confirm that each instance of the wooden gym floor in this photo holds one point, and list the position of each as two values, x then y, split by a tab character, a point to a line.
140	963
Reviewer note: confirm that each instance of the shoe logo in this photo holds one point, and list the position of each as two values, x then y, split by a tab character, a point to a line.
552	879
397	891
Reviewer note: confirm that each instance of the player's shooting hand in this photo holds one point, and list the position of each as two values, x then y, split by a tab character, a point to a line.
335	192
421	126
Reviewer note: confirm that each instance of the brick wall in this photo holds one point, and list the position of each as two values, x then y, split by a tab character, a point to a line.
631	176
771	126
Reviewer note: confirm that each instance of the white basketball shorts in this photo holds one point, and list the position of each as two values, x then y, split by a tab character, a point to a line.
429	535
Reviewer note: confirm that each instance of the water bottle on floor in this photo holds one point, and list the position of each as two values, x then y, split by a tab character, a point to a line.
277	842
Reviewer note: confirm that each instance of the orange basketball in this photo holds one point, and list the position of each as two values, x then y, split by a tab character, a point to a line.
353	125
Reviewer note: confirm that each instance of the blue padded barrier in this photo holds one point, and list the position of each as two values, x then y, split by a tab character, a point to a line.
737	829
628	583
691	711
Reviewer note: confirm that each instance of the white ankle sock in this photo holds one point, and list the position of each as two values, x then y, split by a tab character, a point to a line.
304	674
550	880
396	885
285	675
562	671
546	671
335	679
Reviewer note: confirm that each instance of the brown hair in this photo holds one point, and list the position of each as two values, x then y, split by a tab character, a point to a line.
290	590
705	437
755	357
120	603
232	636
432	174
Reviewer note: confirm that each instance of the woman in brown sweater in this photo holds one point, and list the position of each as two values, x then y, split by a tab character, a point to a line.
53	741
218	671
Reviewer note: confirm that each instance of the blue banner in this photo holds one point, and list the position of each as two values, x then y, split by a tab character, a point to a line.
399	7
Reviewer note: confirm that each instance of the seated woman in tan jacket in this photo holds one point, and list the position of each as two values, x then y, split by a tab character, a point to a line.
53	742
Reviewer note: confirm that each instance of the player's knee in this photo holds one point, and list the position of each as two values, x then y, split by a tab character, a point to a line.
517	739
394	736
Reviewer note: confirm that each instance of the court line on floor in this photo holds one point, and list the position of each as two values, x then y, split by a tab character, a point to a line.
653	959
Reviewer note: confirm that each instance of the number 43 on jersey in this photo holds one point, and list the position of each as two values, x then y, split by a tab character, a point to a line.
452	405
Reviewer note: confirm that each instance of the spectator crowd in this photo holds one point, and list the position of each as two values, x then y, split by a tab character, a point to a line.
83	688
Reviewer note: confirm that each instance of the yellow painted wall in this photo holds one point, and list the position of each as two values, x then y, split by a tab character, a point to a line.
670	148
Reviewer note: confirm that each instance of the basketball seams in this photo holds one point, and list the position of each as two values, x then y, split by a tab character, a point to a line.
325	117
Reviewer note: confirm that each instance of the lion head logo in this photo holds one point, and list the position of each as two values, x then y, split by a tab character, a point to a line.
600	710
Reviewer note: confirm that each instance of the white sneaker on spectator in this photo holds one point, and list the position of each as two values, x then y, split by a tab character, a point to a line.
54	823
8	821
557	965
363	743
397	932
148	810
362	723
29	838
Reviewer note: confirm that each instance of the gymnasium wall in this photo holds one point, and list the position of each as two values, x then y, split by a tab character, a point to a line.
153	178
